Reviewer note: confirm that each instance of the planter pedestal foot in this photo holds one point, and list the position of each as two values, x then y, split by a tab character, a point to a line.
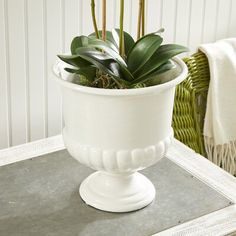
117	192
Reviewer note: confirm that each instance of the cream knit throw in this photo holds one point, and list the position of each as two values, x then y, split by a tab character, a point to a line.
220	119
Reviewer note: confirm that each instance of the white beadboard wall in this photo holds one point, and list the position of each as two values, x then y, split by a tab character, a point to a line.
32	32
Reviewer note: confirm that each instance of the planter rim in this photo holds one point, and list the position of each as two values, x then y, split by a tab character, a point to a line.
124	92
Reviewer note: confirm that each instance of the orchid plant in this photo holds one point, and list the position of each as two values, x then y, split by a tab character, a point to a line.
114	60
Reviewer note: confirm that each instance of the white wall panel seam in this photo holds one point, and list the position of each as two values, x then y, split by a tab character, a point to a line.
8	88
45	89
229	17
62	45
161	15
131	16
62	26
216	19
189	22
27	95
203	20
98	13
80	17
117	13
176	16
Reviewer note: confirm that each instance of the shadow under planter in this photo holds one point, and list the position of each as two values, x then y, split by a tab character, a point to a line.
41	197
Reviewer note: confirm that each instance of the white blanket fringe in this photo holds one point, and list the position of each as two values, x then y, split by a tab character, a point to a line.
220	123
223	155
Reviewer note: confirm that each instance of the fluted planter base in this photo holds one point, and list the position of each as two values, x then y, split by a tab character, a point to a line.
117	192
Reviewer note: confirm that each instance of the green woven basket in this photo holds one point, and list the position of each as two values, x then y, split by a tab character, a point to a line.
190	103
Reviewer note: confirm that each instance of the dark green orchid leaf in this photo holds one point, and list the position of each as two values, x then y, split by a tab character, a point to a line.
161	56
108	35
113	38
94	57
141	65
103	45
111	45
152	78
142	51
74	60
109	40
71	70
97	43
158	32
116	69
77	42
128	40
93	53
163	68
88	72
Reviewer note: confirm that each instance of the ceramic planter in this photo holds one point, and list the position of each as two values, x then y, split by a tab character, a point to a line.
117	133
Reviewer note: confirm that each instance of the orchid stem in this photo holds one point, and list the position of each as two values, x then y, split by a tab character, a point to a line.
104	20
121	43
94	18
143	18
139	19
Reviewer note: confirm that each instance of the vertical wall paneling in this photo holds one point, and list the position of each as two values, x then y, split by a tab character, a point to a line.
86	19
116	13
130	15
203	20
175	20
63	26
134	22
127	15
98	12
110	14
64	47
232	23
4	103
224	10
223	13
70	28
35	68
33	32
54	46
153	13
196	19
168	20
17	70
80	16
26	48
182	22
45	71
216	17
161	13
210	21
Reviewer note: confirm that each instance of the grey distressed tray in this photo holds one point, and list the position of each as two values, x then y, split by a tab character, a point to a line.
41	197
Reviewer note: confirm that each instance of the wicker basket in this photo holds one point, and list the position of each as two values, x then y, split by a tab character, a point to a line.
190	103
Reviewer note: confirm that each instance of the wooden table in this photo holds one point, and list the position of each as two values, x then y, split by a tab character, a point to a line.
39	196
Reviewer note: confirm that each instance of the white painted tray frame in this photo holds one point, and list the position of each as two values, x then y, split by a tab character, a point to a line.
218	223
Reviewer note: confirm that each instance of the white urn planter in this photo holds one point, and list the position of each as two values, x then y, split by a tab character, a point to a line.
118	132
